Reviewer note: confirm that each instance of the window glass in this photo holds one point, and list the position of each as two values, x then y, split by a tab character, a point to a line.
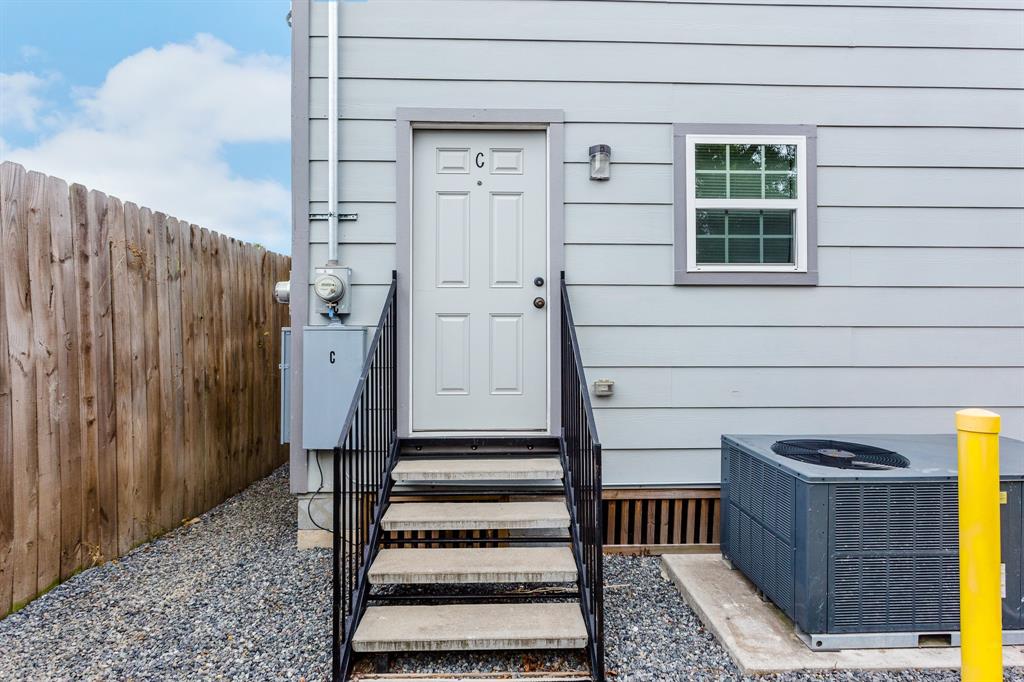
780	157
726	236
745	171
710	157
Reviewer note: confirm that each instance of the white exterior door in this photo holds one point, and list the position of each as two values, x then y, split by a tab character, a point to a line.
479	242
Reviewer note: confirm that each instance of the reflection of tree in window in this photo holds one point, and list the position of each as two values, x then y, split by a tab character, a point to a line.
745	171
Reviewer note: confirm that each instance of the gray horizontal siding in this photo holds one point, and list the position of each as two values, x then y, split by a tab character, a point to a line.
659	468
652	184
705	22
641	224
797	306
666	428
362	140
920	188
670	63
781	347
841	266
837	226
981	187
664	103
810	387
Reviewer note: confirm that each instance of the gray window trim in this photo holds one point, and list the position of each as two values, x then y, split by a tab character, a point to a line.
682	276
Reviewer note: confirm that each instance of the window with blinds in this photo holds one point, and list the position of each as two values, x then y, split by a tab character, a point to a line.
745	203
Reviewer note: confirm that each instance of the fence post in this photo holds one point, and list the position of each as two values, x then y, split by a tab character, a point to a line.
981	636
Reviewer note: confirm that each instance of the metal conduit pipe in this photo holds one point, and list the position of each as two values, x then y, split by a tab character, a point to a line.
332	132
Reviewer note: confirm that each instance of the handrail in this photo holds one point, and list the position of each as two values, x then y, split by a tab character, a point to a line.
363	459
581	458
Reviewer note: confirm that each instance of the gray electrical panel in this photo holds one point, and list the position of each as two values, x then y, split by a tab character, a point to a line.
332	359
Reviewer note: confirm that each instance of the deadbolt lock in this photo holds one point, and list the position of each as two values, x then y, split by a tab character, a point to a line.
538	281
538	302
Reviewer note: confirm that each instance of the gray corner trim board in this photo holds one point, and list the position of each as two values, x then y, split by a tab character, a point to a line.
300	234
551	120
682	276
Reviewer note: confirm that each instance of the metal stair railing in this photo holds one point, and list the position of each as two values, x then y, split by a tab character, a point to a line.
363	459
581	458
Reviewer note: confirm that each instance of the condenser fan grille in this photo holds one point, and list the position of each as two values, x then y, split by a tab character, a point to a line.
839	454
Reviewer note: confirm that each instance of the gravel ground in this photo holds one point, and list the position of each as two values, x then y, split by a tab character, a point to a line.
231	598
227	598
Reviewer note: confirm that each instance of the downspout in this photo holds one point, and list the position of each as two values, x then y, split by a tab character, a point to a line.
332	132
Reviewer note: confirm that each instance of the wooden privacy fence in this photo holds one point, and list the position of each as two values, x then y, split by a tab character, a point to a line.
138	380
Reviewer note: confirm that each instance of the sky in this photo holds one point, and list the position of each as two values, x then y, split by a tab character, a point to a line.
178	105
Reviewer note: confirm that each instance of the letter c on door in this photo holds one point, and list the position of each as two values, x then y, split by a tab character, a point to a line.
332	357
480	160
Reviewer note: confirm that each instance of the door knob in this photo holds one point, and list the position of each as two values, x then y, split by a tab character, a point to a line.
538	281
538	302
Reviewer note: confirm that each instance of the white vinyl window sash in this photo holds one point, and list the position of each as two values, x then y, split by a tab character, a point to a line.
798	205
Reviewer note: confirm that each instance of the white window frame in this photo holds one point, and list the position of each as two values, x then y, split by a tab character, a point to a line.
798	205
804	269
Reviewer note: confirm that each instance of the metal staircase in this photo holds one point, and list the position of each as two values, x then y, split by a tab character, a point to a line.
465	544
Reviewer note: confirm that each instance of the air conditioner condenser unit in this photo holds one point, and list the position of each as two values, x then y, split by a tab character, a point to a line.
855	538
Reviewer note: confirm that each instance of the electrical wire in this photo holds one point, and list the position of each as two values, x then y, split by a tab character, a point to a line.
309	508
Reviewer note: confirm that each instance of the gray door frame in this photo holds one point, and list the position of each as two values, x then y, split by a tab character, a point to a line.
551	121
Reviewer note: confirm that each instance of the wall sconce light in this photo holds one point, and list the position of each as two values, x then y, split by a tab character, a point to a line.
600	162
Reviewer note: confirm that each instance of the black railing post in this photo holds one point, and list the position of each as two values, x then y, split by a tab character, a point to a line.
335	575
581	458
363	459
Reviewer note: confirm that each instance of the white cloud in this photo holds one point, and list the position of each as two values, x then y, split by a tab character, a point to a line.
154	132
19	99
29	52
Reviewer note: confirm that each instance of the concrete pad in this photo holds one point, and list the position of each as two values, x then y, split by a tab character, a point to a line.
473	565
471	627
475	515
760	638
314	539
473	469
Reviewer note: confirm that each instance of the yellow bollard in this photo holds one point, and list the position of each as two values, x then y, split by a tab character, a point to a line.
981	630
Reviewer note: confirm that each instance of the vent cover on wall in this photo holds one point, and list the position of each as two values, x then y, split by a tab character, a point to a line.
839	454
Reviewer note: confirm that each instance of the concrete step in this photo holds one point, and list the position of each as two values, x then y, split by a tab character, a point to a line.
472	469
480	447
475	515
491	677
471	627
473	565
475	677
517	676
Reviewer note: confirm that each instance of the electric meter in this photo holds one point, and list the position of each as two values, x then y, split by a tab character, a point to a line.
331	284
329	287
